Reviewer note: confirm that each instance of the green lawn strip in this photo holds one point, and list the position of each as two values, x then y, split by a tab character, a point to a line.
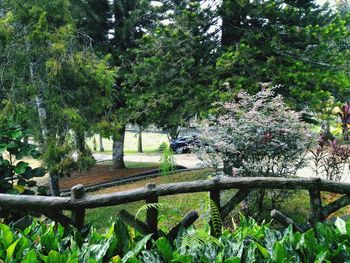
127	152
133	164
150	142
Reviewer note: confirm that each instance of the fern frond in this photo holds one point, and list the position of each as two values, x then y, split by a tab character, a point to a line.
215	218
199	238
167	161
158	206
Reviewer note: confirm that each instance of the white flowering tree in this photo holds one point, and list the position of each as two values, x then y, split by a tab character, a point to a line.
257	135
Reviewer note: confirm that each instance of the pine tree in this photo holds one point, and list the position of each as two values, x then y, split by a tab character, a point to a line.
297	44
57	74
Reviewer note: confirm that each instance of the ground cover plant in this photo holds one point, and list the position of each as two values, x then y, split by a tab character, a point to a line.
247	242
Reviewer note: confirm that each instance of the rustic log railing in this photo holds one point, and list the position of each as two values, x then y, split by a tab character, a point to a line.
78	202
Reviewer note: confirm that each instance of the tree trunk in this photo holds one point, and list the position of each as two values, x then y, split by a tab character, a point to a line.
42	114
139	141
80	141
118	149
101	144
173	133
54	185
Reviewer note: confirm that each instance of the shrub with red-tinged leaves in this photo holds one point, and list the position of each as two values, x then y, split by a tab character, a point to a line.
258	135
330	159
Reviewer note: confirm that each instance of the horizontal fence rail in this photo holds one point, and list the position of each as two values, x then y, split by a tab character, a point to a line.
78	201
138	194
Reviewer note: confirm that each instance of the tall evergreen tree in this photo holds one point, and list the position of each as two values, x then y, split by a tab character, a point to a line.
131	20
53	71
297	44
172	72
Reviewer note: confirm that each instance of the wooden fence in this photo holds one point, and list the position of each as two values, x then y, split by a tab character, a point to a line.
78	202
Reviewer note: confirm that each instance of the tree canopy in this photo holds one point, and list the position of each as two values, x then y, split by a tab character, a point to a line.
69	69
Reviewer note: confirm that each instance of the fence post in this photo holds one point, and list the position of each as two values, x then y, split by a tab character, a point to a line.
152	212
78	214
215	206
316	206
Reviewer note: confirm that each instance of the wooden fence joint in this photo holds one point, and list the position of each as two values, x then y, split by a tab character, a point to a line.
152	212
188	220
286	221
78	214
315	206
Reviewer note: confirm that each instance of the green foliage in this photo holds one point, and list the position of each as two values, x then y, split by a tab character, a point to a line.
16	176
215	217
299	44
158	206
249	242
174	59
162	146
167	162
55	85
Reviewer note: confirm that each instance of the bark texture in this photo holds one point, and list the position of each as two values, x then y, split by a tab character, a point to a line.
102	149
118	149
139	141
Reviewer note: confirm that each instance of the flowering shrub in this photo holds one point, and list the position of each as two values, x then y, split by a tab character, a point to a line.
258	135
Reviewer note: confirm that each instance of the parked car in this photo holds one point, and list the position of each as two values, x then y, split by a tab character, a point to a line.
184	144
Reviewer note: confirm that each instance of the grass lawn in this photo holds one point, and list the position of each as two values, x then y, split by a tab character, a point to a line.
130	164
174	208
150	142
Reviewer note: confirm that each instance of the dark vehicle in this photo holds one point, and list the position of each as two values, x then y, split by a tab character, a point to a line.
184	144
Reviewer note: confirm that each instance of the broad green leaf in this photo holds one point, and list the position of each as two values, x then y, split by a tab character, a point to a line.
20	188
232	260
139	246
6	236
21	167
98	251
164	248
38	172
116	259
11	249
263	250
30	257
16	134
280	252
340	225
54	257
322	257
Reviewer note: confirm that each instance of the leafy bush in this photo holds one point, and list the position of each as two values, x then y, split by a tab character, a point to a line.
16	176
256	136
250	242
